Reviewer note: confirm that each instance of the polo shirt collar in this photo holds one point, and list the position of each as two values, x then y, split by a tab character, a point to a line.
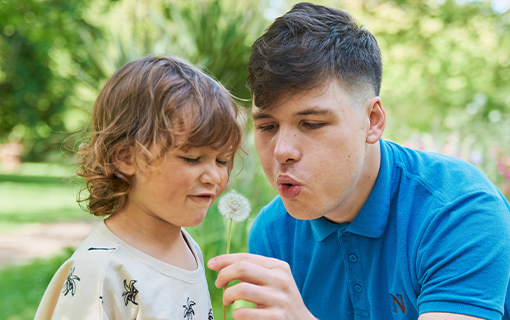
322	228
372	218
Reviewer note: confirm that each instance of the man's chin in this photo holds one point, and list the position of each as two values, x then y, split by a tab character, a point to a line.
301	212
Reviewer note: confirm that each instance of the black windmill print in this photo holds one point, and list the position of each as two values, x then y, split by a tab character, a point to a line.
188	310
130	293
70	284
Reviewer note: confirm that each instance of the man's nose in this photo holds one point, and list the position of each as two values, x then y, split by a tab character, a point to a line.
287	148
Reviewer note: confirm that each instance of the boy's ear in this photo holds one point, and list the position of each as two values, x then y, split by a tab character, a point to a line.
377	118
124	162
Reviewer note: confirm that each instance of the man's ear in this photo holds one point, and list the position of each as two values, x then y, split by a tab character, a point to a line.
377	119
124	162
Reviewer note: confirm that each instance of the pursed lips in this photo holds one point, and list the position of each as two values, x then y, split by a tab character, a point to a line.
284	179
288	187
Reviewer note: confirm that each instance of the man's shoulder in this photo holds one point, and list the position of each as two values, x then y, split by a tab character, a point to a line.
274	211
273	232
274	217
438	173
416	158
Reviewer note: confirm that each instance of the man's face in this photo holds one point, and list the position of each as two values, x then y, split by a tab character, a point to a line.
312	146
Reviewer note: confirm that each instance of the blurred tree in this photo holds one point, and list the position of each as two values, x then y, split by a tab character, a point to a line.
216	35
443	59
55	55
37	41
446	78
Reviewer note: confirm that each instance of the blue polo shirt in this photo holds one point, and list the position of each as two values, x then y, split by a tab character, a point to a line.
433	236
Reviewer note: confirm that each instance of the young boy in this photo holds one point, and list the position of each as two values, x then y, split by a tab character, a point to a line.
164	136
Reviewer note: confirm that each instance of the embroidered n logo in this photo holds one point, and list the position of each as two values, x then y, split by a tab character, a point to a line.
400	303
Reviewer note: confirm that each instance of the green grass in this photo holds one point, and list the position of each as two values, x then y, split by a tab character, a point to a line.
22	287
38	193
35	193
46	170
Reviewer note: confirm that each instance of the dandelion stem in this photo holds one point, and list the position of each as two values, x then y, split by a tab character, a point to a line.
228	241
233	206
228	251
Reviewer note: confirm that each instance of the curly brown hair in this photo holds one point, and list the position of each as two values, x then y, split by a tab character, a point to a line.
145	106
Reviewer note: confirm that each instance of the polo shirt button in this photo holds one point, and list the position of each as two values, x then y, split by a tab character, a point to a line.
358	288
347	233
353	258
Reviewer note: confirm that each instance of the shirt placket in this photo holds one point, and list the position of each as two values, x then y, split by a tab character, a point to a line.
354	272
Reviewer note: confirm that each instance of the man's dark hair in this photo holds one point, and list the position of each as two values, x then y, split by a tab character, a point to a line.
309	45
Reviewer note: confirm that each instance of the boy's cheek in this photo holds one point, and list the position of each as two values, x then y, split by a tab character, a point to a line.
225	187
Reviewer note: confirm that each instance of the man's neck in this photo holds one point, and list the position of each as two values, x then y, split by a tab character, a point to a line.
358	195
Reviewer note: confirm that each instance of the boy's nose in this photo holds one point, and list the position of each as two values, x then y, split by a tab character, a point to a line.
211	175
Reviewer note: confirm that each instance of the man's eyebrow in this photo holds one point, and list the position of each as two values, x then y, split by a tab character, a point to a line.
315	111
260	115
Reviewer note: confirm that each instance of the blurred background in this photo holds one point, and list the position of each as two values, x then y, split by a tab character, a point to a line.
446	88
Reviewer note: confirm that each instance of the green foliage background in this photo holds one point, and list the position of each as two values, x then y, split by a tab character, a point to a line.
446	81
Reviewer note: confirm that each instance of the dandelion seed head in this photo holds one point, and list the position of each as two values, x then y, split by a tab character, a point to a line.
235	206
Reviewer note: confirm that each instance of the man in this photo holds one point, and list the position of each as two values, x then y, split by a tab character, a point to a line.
362	228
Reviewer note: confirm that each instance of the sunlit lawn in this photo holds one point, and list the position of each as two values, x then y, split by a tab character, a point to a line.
36	193
21	288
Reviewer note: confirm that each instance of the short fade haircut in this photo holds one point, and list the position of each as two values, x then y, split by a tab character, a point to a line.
309	45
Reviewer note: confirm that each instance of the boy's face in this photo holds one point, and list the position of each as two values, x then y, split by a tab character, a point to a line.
180	188
312	146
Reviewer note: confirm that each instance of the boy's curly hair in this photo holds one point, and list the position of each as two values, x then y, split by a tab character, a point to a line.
144	107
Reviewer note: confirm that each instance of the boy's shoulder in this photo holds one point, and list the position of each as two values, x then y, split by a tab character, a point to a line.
77	285
97	245
93	256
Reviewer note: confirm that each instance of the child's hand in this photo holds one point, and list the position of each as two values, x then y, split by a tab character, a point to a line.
266	282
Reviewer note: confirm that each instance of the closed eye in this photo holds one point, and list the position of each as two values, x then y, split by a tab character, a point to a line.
222	162
191	160
313	125
266	127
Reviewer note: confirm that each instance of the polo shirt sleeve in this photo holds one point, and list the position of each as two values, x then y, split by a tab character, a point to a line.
462	256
